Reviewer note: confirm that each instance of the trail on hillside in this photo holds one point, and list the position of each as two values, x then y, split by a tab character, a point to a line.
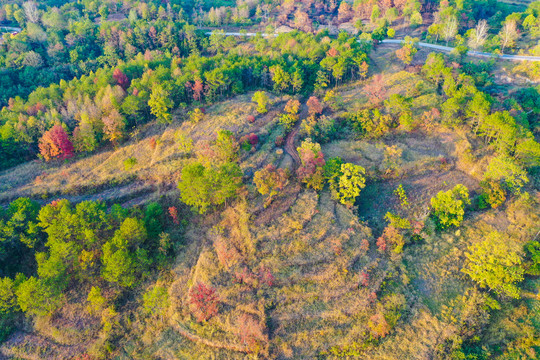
289	142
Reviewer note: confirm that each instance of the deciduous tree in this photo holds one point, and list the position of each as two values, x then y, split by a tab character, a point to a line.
449	206
160	104
311	171
204	301
261	99
270	181
55	143
349	183
508	34
492	264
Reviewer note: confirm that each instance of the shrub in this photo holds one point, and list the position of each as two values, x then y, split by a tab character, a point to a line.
493	195
251	333
185	143
129	163
378	325
153	143
196	115
253	139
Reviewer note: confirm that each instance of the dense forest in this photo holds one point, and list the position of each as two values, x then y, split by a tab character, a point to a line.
269	179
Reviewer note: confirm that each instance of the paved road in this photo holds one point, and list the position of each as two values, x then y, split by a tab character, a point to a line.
9	28
421	44
470	53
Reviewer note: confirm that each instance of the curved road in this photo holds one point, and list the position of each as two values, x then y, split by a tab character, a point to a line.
421	44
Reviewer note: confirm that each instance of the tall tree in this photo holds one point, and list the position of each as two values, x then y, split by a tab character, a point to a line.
449	206
478	35
160	104
55	143
492	264
508	34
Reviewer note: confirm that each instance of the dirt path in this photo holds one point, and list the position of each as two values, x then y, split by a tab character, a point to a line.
289	142
195	338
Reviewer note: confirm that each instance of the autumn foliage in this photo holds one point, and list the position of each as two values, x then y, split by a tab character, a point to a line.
314	106
55	143
121	79
311	171
173	212
204	301
250	332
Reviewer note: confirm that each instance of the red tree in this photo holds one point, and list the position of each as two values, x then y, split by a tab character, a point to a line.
251	332
364	278
173	212
253	139
376	89
121	79
55	143
204	301
266	277
314	106
197	88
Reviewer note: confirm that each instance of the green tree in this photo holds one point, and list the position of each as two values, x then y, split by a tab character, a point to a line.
156	301
281	78
160	104
350	183
36	298
225	148
375	13
492	264
8	300
96	300
332	170
202	187
503	168
416	19
152	220
261	99
478	109
104	12
123	258
449	206
528	152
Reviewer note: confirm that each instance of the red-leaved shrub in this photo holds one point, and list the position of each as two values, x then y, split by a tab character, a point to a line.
204	301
